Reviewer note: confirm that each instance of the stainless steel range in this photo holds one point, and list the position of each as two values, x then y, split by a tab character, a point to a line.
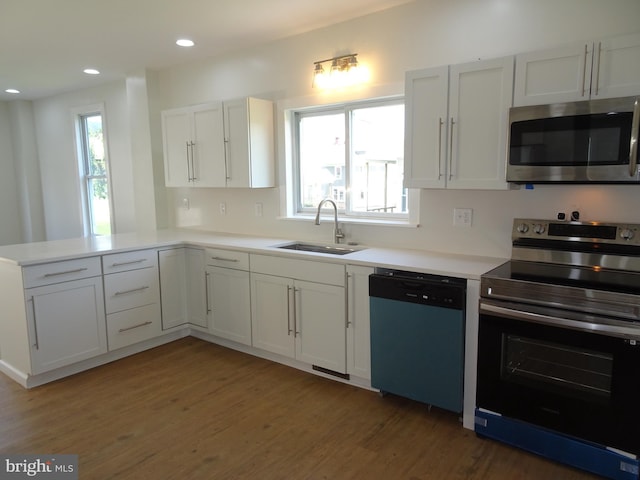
559	345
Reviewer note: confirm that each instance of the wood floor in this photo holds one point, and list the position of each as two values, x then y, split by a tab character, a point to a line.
193	410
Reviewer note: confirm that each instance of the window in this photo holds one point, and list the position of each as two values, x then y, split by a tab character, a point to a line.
353	154
92	156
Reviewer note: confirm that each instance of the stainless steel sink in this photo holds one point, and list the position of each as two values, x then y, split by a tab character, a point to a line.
318	248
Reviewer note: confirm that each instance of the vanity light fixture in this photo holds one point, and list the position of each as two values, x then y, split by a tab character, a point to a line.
344	71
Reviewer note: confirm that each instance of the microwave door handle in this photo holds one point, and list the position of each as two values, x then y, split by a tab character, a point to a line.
633	147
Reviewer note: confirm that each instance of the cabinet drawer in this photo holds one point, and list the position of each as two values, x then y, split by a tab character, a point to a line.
56	272
121	262
132	289
319	272
227	258
133	326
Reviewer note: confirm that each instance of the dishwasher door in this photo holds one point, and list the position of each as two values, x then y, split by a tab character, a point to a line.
417	337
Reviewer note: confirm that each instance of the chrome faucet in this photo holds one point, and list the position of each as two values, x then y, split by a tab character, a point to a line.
337	232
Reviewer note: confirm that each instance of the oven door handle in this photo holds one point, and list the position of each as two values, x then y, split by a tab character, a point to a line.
619	331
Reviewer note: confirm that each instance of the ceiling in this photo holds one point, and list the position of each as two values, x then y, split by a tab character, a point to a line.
46	44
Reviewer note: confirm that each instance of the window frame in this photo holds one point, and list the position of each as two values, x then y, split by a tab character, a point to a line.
347	109
84	176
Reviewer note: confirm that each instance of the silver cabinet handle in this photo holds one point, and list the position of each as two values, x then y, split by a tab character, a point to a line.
296	330
289	330
347	311
35	324
188	164
131	262
143	324
633	146
597	66
223	259
193	162
584	70
206	289
440	124
66	272
451	149
227	174
132	290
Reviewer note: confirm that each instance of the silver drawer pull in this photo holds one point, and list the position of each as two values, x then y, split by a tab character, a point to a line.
120	264
133	290
66	272
222	259
135	326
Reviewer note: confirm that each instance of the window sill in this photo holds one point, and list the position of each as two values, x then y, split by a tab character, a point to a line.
380	222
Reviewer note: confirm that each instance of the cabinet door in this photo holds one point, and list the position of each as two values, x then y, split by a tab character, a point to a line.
272	314
173	289
229	304
553	76
249	142
616	67
196	292
176	135
320	322
208	162
66	322
479	101
358	325
426	127
236	129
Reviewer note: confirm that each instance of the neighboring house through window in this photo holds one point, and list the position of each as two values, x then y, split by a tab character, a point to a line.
354	154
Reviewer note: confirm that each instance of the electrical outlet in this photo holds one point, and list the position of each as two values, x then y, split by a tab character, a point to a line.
462	217
258	209
223	208
185	203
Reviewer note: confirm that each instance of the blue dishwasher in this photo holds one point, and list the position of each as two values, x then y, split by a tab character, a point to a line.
417	336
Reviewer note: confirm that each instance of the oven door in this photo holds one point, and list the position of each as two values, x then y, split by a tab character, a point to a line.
576	374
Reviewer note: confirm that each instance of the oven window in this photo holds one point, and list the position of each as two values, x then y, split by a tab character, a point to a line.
555	367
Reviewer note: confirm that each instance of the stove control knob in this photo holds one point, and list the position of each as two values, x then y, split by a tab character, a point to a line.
539	228
626	234
522	228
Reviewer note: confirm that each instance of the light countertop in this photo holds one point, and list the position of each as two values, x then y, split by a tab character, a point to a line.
462	266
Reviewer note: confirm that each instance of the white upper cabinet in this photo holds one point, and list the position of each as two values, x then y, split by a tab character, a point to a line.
221	144
456	125
193	142
582	71
249	143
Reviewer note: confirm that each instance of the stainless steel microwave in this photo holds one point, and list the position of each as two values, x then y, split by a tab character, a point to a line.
592	141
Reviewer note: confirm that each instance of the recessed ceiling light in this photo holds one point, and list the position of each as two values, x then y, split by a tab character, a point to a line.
91	71
12	90
185	42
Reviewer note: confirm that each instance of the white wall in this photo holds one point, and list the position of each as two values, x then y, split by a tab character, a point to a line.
421	34
11	230
55	139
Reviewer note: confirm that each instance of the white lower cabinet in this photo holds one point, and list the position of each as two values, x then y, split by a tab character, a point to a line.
65	319
358	324
132	297
182	287
296	317
228	295
229	304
